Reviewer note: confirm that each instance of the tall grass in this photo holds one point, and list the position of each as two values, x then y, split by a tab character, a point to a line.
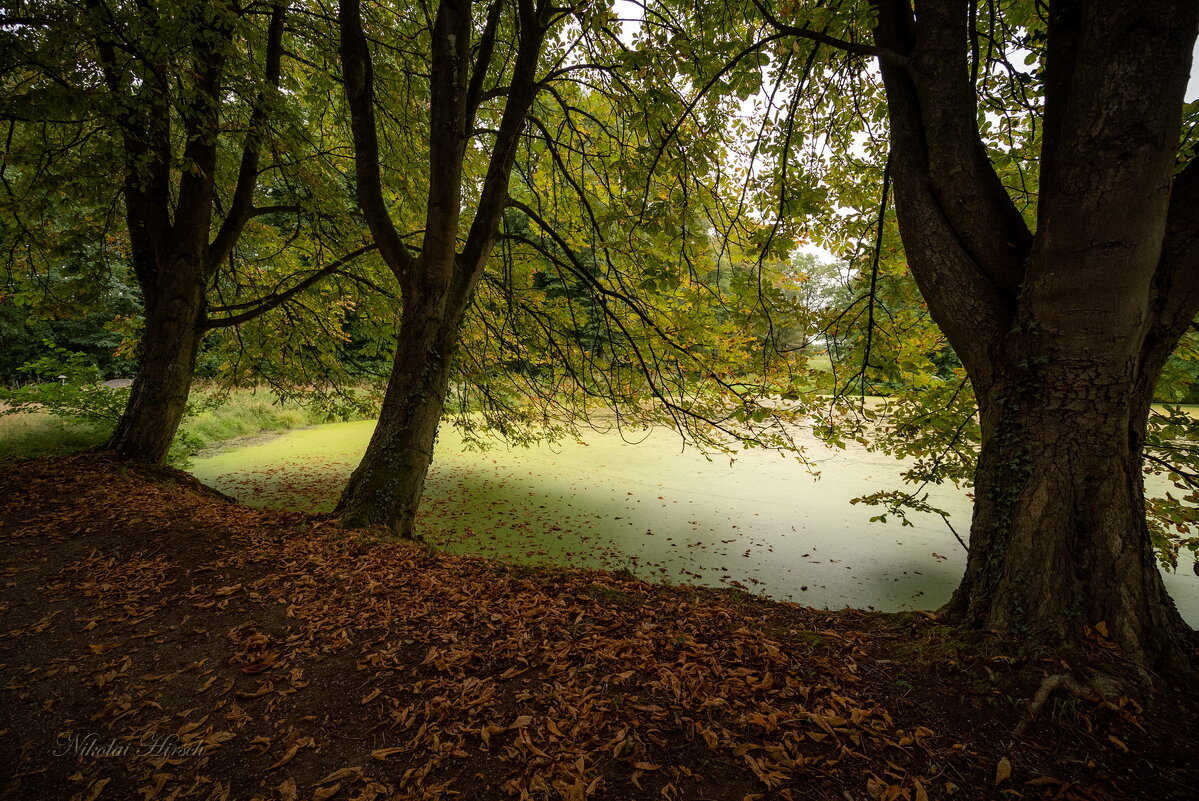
222	417
29	435
241	413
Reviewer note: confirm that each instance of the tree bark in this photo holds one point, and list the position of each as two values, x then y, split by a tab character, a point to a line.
386	487
166	361
1064	331
173	259
1058	541
436	286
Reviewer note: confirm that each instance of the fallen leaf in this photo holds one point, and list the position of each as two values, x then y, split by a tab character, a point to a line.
338	775
1003	771
384	753
307	742
94	790
326	792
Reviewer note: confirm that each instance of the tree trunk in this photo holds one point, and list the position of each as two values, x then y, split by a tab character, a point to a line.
437	285
166	360
1063	331
385	489
1058	541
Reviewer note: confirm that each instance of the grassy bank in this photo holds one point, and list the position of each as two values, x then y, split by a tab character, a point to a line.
221	417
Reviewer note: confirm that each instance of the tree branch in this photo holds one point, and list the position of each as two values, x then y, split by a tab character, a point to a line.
522	91
484	51
241	208
263	305
358	79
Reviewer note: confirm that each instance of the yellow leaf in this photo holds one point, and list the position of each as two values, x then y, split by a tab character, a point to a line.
288	790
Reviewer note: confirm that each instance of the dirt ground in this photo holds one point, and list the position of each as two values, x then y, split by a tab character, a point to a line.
158	641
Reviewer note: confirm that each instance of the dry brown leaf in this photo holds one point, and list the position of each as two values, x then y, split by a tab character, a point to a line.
326	792
341	773
290	754
288	790
95	788
1003	771
370	792
384	753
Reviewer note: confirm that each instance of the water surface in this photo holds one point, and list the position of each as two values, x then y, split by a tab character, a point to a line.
665	512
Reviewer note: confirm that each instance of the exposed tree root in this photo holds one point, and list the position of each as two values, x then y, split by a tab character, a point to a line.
1100	687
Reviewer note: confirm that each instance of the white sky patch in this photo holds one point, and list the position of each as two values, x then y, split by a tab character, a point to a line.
630	14
1193	86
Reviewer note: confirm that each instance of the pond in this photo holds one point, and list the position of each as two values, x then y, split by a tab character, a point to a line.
646	503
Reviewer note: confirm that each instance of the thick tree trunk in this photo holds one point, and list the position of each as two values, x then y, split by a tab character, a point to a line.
166	359
1062	331
385	489
436	287
1058	541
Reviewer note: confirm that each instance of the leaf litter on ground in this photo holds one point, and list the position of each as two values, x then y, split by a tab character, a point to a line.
161	642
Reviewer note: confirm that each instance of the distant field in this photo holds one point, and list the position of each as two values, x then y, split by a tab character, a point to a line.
821	362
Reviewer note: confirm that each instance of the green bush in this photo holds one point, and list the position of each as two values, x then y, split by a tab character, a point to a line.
69	387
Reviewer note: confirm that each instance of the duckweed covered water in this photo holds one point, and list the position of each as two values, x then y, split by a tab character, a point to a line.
665	512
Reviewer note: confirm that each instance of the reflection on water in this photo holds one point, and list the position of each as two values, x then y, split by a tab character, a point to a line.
662	511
